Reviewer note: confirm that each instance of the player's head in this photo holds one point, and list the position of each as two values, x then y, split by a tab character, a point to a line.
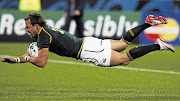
33	23
36	18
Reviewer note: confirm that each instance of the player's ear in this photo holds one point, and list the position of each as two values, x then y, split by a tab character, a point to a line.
36	26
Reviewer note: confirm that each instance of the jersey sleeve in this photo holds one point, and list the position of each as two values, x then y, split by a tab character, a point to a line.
44	39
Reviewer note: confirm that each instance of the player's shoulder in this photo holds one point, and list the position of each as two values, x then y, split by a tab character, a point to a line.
45	30
45	35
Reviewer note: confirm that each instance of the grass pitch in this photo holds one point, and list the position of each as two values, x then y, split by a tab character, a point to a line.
60	81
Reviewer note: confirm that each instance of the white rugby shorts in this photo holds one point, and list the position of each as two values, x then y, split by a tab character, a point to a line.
97	51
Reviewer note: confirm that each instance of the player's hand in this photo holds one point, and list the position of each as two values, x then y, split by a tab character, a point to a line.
77	12
8	60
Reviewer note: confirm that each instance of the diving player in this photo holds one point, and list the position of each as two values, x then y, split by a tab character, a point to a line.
88	49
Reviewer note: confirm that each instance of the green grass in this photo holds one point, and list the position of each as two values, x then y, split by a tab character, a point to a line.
59	81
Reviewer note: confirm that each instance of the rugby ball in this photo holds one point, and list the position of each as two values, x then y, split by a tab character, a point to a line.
33	49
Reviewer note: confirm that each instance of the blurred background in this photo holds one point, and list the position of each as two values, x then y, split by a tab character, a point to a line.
101	18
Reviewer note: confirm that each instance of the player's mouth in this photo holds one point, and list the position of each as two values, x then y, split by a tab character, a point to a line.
31	35
28	33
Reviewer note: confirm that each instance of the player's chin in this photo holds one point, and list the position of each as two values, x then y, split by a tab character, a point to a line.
33	35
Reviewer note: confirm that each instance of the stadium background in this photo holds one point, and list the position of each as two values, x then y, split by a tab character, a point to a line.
109	18
155	76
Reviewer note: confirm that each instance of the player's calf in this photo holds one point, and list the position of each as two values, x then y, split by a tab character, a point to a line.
151	20
141	50
130	35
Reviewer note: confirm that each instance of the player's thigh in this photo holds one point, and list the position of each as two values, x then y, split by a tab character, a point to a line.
119	59
97	51
118	45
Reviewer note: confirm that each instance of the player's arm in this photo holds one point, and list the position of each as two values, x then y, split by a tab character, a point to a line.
39	61
16	60
43	41
42	58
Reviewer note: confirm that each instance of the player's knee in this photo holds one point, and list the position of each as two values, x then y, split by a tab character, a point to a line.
124	47
126	63
125	59
123	63
123	44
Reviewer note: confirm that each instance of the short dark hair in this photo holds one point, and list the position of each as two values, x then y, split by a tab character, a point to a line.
36	18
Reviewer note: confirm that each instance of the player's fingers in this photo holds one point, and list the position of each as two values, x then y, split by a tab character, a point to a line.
9	60
13	60
3	60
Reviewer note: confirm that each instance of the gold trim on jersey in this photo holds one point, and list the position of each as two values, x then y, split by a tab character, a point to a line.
45	48
39	31
80	48
47	34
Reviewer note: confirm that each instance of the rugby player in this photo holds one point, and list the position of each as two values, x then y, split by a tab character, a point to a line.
88	49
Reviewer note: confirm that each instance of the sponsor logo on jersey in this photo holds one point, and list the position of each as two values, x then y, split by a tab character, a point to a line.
104	60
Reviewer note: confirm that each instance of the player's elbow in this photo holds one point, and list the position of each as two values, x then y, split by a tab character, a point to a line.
42	64
39	63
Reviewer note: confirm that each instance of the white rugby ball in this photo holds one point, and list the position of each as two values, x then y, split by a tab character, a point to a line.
33	49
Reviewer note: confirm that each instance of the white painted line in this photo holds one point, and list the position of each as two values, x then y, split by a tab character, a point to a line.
116	67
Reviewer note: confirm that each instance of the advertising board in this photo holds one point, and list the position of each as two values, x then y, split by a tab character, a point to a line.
111	25
168	32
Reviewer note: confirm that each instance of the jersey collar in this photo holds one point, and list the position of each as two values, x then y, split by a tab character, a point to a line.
40	31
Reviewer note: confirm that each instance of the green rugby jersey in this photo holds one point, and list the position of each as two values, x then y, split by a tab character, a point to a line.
59	41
